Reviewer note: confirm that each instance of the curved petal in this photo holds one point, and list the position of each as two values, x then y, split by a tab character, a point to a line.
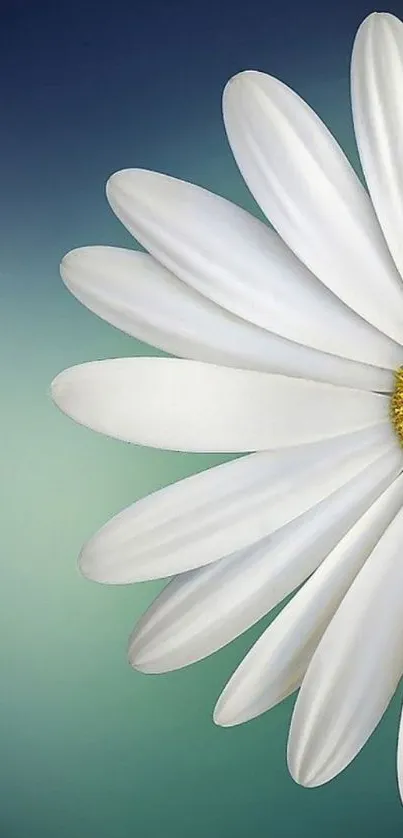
190	406
205	609
207	516
355	669
400	757
276	664
376	91
135	293
306	187
238	262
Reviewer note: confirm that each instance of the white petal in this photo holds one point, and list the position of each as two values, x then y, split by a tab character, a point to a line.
207	516
376	90
308	190
135	293
276	664
191	406
355	669
203	610
400	757
233	259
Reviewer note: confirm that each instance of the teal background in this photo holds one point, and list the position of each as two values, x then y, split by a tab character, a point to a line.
91	749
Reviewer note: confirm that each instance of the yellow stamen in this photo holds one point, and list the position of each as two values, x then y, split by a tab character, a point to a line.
396	405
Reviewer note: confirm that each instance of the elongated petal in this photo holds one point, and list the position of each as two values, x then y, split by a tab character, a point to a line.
376	90
191	406
134	292
400	757
201	519
355	669
308	190
233	259
203	610
276	664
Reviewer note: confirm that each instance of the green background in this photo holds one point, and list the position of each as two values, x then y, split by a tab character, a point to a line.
90	748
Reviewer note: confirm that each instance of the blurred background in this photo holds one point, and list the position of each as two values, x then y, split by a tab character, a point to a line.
91	749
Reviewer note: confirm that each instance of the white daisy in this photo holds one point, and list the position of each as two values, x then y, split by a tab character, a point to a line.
290	343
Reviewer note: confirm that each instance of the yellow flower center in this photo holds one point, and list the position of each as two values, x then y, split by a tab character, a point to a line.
396	405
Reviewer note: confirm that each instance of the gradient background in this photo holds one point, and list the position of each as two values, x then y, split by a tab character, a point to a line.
91	749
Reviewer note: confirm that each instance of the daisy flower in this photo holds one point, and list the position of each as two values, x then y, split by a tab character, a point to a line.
289	345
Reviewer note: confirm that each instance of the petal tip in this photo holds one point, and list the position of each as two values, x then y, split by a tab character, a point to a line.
139	657
142	666
85	565
302	778
136	662
303	772
224	715
65	385
237	83
71	261
58	387
117	183
65	262
375	20
92	564
220	718
122	177
129	189
134	648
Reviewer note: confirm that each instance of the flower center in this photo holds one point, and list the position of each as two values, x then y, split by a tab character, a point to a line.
396	405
